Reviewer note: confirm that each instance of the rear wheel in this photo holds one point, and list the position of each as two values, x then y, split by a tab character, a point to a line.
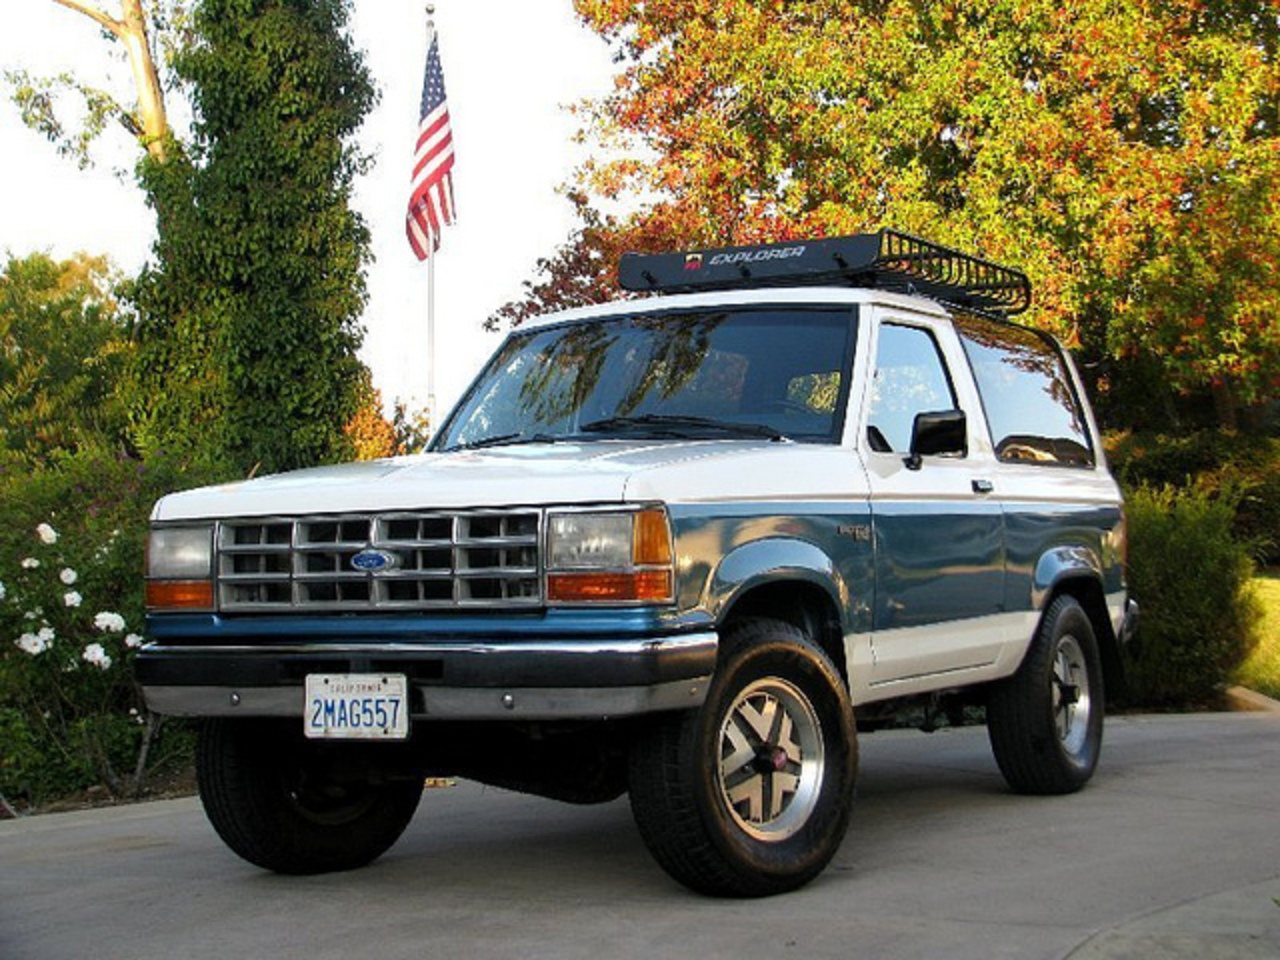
1045	722
296	806
749	796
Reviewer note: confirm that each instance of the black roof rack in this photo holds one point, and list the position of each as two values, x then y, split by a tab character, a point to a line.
887	260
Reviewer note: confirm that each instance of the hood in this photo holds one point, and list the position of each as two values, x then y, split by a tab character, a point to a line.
528	474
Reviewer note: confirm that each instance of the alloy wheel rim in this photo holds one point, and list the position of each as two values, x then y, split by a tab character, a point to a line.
1072	702
771	759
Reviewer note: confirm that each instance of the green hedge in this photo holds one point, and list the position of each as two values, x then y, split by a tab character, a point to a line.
1261	671
1243	468
1190	573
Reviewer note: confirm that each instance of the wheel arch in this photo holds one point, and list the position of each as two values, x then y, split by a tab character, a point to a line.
799	602
1086	588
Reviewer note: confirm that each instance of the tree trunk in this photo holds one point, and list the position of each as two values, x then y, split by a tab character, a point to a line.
155	123
131	30
154	720
1225	406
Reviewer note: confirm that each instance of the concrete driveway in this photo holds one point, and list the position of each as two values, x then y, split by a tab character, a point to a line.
1173	851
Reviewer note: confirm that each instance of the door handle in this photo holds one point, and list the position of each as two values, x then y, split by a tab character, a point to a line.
983	486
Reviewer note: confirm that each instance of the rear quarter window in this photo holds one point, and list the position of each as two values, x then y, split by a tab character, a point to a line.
1028	398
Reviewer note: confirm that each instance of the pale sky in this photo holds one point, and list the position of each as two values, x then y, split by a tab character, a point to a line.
509	68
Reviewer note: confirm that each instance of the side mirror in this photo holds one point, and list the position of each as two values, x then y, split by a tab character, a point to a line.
939	433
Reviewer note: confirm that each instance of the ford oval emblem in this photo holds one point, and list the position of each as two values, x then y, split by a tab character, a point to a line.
375	561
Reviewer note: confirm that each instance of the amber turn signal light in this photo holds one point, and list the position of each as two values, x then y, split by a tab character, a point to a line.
652	540
179	595
644	586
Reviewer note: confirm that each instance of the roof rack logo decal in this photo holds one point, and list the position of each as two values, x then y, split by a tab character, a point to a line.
693	261
754	256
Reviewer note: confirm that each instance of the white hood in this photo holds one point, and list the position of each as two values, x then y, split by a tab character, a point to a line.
535	474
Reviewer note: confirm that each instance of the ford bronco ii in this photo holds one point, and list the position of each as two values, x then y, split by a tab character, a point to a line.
669	547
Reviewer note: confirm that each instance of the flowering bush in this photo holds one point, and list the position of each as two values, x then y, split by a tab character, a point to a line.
65	664
71	619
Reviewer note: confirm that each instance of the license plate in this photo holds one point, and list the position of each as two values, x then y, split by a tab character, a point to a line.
357	706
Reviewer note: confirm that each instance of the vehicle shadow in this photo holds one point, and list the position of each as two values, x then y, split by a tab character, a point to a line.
482	841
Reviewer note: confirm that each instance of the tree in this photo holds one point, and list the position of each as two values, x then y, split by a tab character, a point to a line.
252	307
63	347
147	120
1126	154
248	325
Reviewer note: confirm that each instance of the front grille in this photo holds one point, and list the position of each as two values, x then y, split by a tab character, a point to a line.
425	560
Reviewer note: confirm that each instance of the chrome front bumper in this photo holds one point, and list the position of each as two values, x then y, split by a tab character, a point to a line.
537	680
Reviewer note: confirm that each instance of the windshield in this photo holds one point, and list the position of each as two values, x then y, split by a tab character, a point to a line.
750	373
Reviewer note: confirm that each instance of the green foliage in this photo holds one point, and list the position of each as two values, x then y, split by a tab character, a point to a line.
71	617
1192	578
1244	468
1124	154
36	98
1261	671
46	102
249	332
63	349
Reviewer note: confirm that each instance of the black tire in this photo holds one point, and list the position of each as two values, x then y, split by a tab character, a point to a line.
749	795
298	807
1045	722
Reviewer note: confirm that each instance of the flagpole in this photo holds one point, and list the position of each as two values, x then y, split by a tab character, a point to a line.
431	198
431	343
431	290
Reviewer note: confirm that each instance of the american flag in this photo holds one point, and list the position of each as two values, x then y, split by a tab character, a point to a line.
431	200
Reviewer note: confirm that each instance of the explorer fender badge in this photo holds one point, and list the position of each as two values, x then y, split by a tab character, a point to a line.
375	561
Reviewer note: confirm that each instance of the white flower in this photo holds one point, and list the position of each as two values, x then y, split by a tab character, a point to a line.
109	622
68	576
72	599
32	643
97	656
2	590
46	533
30	563
133	641
46	634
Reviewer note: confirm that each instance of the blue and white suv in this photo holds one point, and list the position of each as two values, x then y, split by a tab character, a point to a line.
670	546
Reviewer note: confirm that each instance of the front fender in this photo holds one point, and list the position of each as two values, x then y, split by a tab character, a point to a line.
773	560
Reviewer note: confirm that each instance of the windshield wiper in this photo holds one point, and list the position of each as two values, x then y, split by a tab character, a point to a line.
683	427
505	439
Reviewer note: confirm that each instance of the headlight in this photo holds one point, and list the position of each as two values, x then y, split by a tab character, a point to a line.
609	557
589	540
180	568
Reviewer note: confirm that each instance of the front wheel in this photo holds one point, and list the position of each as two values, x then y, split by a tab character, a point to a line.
299	807
1045	722
749	796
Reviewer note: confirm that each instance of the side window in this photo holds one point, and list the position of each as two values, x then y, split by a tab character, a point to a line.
910	378
1031	407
